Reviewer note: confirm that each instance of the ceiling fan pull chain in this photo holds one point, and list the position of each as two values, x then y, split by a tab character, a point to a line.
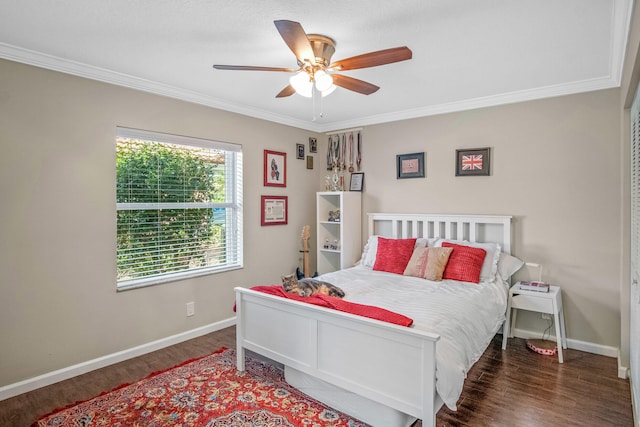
313	103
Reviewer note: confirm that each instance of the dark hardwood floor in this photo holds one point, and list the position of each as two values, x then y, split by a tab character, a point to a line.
505	388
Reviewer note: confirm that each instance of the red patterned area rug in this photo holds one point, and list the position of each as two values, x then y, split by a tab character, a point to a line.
204	392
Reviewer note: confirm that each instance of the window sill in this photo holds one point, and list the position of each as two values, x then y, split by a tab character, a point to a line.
173	277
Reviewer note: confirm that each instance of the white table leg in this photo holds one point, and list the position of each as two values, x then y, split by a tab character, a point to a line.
559	336
564	332
505	328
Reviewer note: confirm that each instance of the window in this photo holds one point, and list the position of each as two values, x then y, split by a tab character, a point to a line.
179	207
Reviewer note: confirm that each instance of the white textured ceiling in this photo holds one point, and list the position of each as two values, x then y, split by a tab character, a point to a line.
466	53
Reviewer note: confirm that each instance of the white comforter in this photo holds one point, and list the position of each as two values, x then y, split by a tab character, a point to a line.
465	315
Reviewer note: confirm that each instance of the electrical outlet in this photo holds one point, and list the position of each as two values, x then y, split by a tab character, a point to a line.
191	308
546	316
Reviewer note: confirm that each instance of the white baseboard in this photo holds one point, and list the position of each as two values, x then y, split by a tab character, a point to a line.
49	378
623	371
603	350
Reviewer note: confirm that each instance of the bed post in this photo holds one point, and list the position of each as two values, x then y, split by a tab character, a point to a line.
239	333
429	408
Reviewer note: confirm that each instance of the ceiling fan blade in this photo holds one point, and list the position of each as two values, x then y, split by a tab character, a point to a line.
295	37
251	68
287	91
373	59
355	85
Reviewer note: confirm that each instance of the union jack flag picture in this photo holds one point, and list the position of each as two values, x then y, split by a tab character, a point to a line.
472	162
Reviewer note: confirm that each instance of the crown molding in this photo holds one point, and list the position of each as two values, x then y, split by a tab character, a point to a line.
54	63
79	69
481	102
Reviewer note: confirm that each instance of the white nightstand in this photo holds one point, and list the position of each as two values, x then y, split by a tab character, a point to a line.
541	302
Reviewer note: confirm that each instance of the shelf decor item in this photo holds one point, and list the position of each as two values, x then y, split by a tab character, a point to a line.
473	162
337	179
410	165
274	210
275	169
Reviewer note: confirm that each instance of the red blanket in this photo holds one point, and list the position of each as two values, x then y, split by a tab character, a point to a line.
339	304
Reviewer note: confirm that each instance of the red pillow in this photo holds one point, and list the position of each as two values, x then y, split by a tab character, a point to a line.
465	263
393	255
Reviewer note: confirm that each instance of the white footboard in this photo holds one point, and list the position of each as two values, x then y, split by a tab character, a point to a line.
389	364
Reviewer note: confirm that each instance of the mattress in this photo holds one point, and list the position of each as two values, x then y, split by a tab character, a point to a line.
465	315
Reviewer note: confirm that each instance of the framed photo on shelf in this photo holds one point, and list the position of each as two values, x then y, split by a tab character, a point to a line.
300	151
473	162
313	145
357	181
410	165
274	210
275	169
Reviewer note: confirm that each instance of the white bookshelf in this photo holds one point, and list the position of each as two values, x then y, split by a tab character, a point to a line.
346	232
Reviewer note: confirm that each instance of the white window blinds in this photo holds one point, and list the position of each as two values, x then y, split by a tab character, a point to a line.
179	207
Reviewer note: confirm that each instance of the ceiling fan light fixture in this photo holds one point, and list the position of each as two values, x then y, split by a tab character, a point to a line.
329	90
323	80
302	83
313	54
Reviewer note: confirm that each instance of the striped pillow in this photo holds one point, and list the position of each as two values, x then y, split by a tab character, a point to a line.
393	254
465	263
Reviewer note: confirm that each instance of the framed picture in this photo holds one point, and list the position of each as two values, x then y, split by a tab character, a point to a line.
473	162
357	181
274	210
275	169
410	165
313	145
309	162
300	151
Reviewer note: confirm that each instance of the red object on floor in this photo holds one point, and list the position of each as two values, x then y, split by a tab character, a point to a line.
546	348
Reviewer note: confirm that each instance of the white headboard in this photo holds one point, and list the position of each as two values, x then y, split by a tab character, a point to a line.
474	228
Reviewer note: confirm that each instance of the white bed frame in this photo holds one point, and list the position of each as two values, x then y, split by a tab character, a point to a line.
389	364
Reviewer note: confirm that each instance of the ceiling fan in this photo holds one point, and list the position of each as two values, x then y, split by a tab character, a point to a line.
313	53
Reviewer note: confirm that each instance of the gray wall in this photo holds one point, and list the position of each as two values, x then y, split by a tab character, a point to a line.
58	300
555	168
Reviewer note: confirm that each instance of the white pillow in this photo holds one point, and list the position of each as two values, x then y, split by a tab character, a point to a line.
369	252
508	265
371	249
490	263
